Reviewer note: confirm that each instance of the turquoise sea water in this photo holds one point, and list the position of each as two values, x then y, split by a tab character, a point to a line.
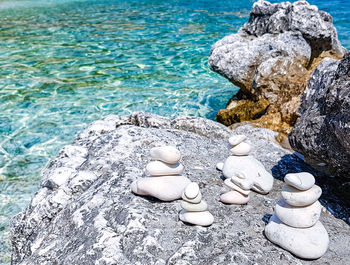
65	63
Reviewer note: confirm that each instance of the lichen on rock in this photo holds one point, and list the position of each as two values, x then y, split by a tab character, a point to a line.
272	57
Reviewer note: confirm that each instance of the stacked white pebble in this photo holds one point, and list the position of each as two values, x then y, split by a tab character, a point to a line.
295	225
195	210
239	147
166	182
237	195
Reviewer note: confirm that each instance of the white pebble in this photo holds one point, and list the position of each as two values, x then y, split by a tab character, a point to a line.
299	217
236	139
167	154
219	166
192	190
297	197
159	168
307	243
194	207
166	188
197	218
242	149
231	185
197	199
301	181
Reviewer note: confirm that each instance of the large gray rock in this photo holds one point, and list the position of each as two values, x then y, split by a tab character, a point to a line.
323	131
84	212
272	55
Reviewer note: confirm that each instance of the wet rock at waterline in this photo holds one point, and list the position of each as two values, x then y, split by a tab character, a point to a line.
271	59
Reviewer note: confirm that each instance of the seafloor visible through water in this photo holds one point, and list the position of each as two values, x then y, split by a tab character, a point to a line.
65	63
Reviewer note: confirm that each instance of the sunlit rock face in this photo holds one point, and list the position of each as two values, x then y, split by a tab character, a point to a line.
271	58
85	213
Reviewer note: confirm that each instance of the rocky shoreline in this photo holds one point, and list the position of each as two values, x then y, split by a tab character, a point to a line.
86	210
271	59
294	78
322	134
90	216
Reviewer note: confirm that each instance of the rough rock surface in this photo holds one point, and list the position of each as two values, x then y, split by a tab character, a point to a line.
271	58
87	214
322	133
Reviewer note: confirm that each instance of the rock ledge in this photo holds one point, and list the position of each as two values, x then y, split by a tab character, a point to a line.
84	212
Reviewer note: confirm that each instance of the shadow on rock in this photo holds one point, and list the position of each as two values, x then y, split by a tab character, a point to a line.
330	198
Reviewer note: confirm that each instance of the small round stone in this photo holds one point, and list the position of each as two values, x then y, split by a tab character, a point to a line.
167	154
197	199
231	185
236	139
194	207
159	168
234	197
242	149
192	190
297	197
197	218
299	217
219	166
300	181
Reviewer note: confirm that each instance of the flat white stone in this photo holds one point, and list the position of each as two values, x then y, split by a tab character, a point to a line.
234	197
297	197
167	154
236	139
194	207
306	243
197	199
166	188
244	183
231	185
299	217
159	168
219	166
253	170
301	181
197	218
242	149
192	190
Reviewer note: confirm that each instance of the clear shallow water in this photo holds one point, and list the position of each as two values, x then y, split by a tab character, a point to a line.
65	63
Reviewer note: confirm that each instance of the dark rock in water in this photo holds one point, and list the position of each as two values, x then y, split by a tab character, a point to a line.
243	110
84	212
322	133
273	55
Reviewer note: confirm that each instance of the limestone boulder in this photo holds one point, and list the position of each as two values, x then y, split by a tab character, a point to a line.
271	59
90	216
